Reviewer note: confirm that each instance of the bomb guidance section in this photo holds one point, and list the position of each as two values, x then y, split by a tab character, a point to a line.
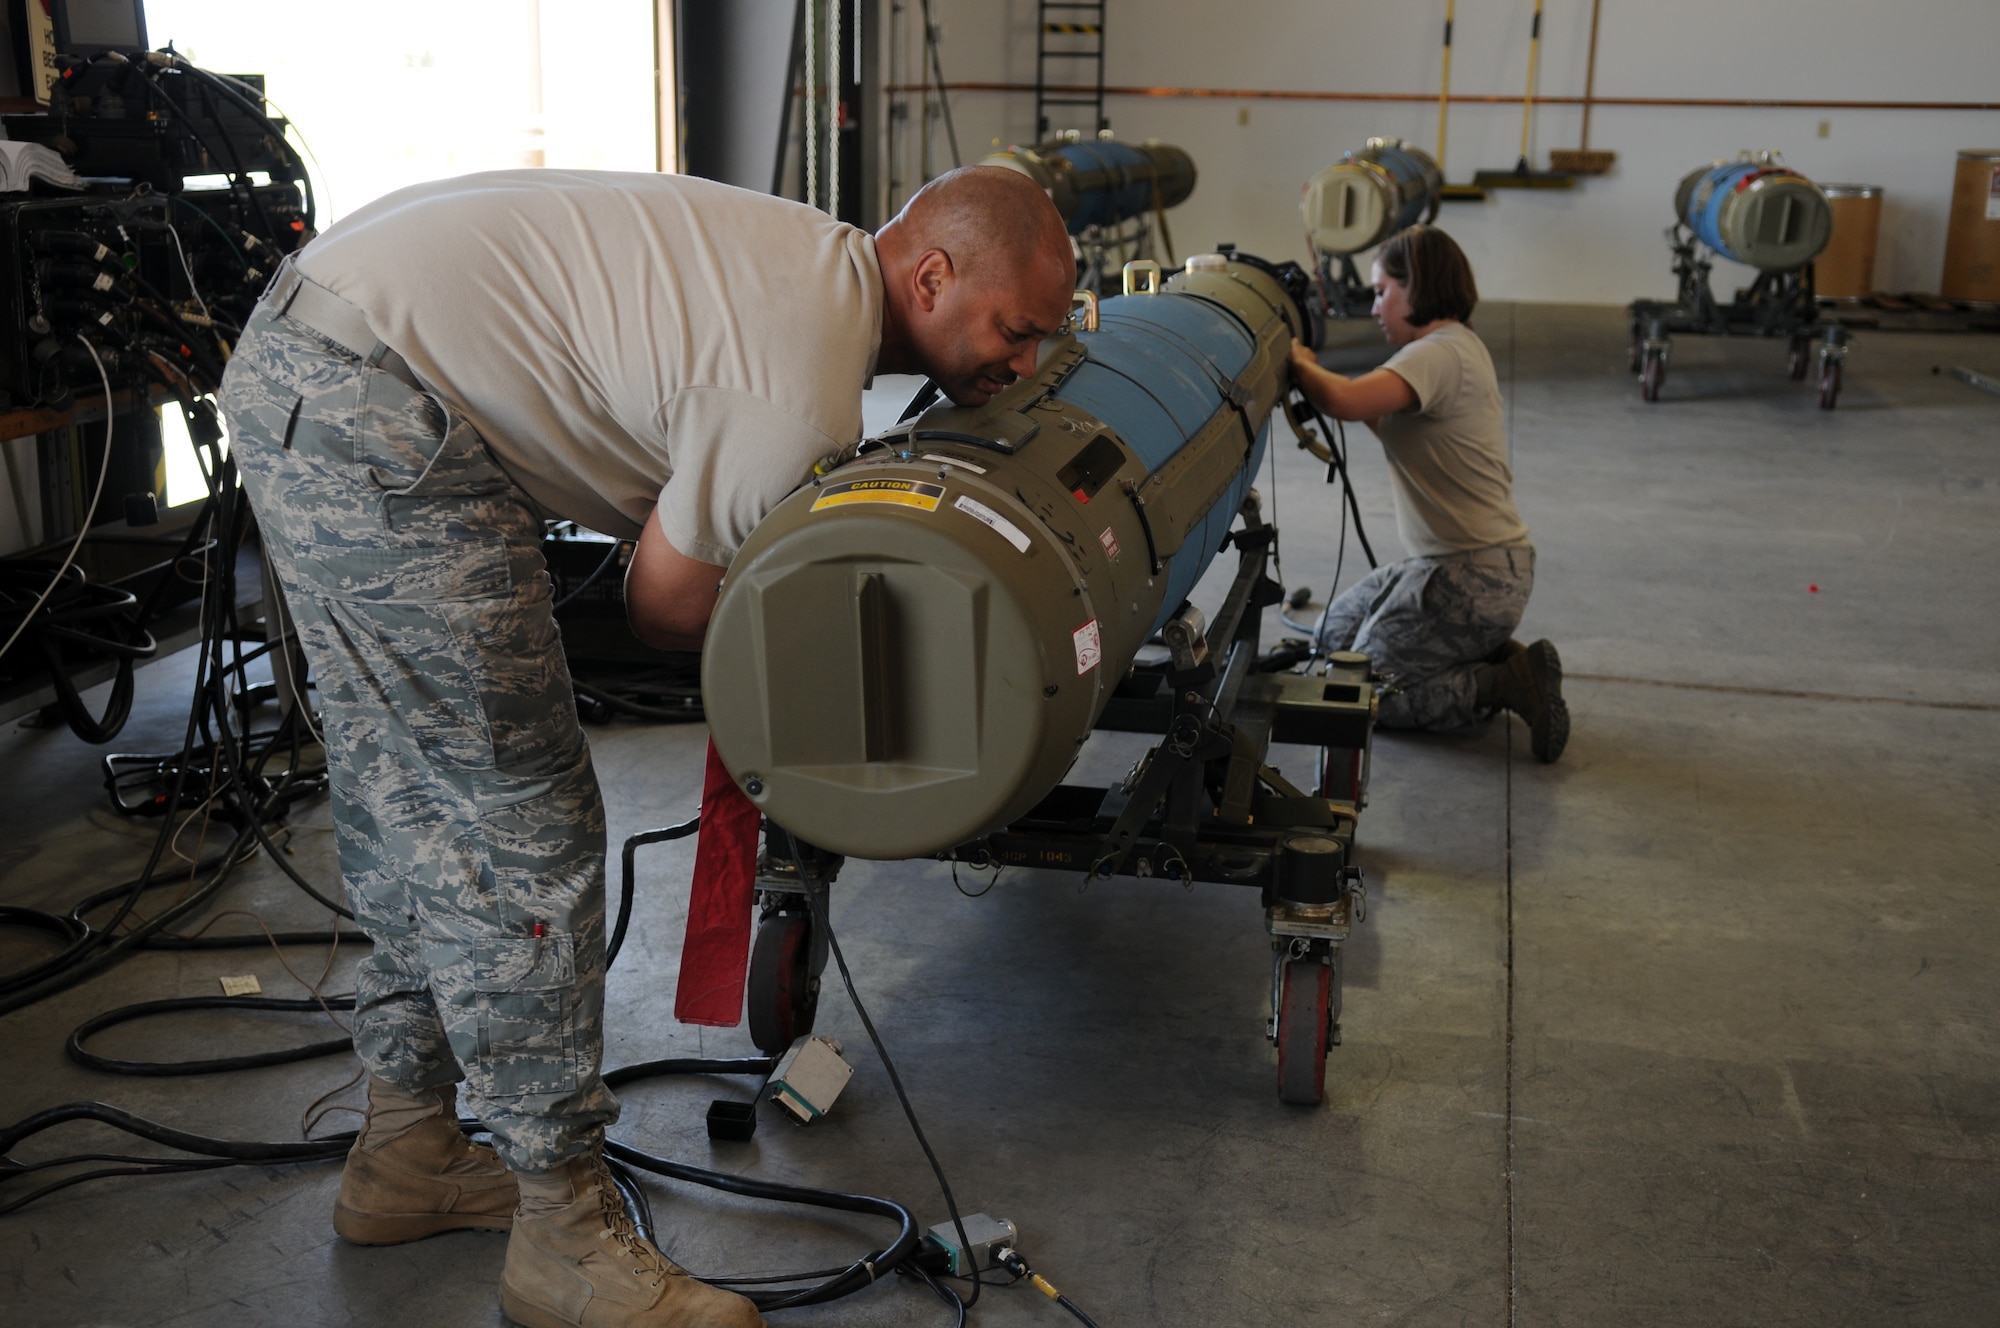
918	642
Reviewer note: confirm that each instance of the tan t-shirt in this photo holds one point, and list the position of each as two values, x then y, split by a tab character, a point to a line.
1448	457
622	339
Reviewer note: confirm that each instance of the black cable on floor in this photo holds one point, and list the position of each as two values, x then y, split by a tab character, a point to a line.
855	1277
66	929
174	1005
104	948
26	986
1076	1311
1011	1260
686	707
817	902
236	761
99	620
245	797
206	1153
83	936
948	1295
251	940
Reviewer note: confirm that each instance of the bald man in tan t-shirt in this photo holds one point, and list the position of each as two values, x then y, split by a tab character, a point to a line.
658	357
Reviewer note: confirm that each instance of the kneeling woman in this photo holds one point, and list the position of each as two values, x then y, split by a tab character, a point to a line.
1439	623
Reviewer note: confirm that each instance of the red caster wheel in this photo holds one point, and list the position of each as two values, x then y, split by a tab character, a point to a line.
1652	373
783	995
1305	1026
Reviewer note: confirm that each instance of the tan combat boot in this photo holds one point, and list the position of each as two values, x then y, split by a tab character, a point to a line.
1528	681
576	1261
411	1173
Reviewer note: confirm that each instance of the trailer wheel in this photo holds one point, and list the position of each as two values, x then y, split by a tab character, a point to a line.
1829	384
1637	349
1305	1020
782	997
1798	359
1652	372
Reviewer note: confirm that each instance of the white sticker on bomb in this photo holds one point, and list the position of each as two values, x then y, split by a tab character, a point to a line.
1089	647
979	511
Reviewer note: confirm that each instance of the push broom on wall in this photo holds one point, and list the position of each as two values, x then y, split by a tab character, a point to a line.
1523	176
1581	160
1450	193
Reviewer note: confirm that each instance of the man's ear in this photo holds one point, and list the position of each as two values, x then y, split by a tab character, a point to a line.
932	273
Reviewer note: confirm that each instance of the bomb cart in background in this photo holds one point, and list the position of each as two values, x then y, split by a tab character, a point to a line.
1756	211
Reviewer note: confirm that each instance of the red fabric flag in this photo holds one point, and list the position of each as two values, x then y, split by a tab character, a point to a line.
715	958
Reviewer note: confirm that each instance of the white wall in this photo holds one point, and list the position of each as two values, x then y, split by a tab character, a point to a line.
1597	243
389	93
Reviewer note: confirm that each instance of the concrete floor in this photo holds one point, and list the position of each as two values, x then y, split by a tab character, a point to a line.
1694	1027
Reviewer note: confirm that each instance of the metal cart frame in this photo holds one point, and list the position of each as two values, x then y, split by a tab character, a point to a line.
1776	304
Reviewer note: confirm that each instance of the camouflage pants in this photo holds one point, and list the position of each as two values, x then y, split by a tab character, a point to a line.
468	818
1426	622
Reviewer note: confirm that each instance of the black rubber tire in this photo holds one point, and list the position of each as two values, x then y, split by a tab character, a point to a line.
1651	374
1829	384
1304	1023
1798	359
781	1000
1637	348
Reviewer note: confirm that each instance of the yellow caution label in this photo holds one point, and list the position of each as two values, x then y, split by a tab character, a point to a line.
905	493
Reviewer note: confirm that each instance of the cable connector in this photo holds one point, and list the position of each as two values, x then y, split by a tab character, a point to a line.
1010	1259
932	1256
985	1237
809	1078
